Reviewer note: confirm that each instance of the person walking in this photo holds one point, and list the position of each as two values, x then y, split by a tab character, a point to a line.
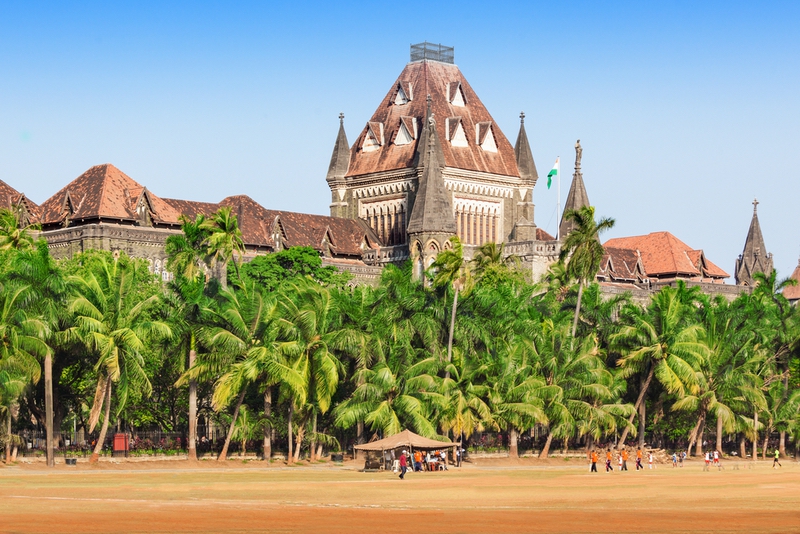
417	461
777	459
674	460
650	459
593	469
619	461
624	460
403	465
708	461
716	459
683	457
608	461
639	459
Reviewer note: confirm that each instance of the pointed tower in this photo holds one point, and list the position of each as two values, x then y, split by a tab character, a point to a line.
754	258
340	162
577	196
525	228
477	163
431	223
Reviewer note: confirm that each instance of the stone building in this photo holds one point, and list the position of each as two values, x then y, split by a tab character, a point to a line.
432	163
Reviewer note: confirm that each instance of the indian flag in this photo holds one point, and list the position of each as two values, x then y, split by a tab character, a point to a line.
553	172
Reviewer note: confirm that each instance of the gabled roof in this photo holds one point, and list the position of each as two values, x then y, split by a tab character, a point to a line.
299	229
665	256
622	265
432	78
10	197
793	292
541	235
104	192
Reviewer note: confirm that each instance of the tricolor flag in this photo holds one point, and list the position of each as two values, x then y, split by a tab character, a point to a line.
553	172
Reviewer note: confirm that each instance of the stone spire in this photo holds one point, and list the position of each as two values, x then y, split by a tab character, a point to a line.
431	223
433	209
340	159
522	150
524	227
754	258
577	196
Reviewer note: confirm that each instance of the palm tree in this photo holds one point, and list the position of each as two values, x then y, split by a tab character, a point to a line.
450	269
15	234
582	250
12	385
660	342
490	257
188	301
311	326
224	240
112	318
463	408
45	297
241	338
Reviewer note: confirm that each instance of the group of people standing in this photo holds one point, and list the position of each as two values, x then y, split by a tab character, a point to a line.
430	461
622	460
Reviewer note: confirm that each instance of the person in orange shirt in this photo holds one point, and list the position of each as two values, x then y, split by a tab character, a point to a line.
417	461
608	461
624	460
639	459
594	462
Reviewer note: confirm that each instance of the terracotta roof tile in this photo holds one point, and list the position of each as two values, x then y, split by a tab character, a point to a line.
434	78
793	292
10	197
664	255
104	192
541	235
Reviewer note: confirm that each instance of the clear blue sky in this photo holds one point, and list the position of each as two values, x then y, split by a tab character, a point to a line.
686	110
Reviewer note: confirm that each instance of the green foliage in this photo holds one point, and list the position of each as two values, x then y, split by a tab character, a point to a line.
271	271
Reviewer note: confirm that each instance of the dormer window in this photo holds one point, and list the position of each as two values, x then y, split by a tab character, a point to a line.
455	94
373	139
455	132
407	131
485	137
404	94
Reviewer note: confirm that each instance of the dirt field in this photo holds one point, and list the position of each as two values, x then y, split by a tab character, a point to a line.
493	496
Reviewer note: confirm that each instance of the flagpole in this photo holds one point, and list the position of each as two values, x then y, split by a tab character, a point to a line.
558	204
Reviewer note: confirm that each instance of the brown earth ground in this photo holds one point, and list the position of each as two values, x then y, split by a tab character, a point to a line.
486	496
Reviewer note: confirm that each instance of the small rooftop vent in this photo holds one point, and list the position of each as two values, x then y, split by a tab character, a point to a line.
433	52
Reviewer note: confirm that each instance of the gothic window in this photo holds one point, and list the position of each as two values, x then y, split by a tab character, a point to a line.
455	132
157	267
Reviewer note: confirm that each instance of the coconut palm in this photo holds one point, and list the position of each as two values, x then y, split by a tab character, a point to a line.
242	350
582	250
186	252
12	386
112	311
660	342
451	270
223	242
313	334
15	232
463	408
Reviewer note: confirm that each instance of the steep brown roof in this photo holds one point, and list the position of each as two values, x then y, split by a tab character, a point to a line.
10	197
664	255
621	264
541	235
433	78
793	292
104	192
258	225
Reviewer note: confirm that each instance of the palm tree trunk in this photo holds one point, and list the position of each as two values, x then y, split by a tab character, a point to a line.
755	435
192	448
719	434
513	450
577	309
546	448
8	436
639	401
312	447
452	327
98	448
698	448
223	455
267	425
298	442
782	444
764	446
742	446
48	403
642	421
693	436
289	457
359	437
